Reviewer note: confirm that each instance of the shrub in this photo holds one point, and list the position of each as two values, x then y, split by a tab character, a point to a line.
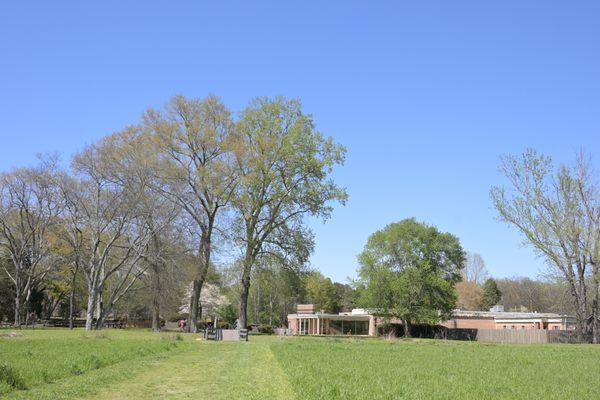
267	329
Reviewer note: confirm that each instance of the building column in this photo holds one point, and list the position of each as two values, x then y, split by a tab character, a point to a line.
372	331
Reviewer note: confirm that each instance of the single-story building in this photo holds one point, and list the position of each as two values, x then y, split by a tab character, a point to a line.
308	322
509	320
363	322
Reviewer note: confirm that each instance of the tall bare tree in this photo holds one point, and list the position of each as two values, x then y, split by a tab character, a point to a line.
129	156
106	229
474	270
557	212
284	165
588	193
194	169
29	209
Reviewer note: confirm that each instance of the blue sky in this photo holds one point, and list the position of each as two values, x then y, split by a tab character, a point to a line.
425	95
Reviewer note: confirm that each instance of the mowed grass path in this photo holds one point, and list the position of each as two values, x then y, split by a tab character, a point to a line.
311	368
217	371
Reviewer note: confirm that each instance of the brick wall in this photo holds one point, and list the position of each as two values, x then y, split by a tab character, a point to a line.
470	323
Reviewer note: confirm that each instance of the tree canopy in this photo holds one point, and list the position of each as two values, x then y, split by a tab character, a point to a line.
491	295
409	270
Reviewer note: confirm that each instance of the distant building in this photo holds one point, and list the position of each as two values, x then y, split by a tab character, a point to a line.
494	319
363	322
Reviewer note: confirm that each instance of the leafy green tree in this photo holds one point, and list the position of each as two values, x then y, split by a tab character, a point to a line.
275	292
321	292
194	170
346	296
491	294
284	167
409	270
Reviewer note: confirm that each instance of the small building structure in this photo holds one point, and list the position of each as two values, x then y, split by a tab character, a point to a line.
308	322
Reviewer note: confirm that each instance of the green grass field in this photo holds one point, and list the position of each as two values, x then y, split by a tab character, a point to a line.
59	364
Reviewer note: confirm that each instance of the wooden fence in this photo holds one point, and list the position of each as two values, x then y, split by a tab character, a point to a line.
525	336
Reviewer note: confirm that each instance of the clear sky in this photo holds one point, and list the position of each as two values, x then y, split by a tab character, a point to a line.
426	95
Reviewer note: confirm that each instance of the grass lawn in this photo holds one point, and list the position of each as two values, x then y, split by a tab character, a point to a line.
41	357
58	364
429	369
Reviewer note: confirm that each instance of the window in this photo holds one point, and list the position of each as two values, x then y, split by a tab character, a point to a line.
522	326
503	326
512	327
341	327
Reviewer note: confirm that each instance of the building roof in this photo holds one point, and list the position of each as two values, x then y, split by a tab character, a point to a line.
344	316
506	315
363	314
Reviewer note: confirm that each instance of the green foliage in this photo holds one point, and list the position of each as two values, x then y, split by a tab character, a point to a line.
285	168
409	269
346	296
320	291
491	294
228	314
266	329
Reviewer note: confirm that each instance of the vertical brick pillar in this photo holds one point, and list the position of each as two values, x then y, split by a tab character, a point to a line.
372	331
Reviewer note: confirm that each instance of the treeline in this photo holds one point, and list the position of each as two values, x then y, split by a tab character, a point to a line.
143	212
478	292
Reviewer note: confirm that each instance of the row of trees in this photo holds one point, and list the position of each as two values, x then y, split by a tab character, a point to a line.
152	203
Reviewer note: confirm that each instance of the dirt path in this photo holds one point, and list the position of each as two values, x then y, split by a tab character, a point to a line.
215	370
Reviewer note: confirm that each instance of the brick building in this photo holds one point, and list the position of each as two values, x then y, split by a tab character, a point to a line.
509	320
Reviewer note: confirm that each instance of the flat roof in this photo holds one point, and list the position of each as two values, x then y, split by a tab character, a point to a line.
500	315
506	314
345	317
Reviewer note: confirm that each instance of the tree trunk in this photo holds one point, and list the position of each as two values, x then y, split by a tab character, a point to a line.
407	328
582	325
595	328
91	308
192	324
102	318
156	308
89	317
18	310
156	266
596	310
245	291
203	265
72	296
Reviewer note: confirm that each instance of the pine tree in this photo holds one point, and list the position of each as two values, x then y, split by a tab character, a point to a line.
491	294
